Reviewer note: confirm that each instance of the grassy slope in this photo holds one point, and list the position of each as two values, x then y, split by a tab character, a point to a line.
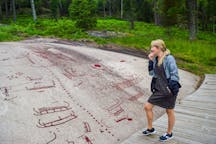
198	56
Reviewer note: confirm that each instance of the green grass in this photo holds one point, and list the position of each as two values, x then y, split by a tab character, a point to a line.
198	56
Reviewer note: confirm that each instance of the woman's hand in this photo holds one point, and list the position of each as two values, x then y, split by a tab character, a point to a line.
151	56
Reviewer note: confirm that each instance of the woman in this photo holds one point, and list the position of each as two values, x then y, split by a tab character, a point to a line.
164	86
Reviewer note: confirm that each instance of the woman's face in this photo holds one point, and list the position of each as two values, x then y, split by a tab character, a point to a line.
155	50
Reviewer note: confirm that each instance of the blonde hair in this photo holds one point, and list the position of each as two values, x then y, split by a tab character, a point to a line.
159	43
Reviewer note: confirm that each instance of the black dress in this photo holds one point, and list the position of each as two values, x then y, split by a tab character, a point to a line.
161	96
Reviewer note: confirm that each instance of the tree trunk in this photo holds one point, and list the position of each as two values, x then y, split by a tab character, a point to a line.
122	8
33	10
196	17
132	15
110	8
157	17
6	8
60	7
213	28
14	10
1	12
11	7
191	4
203	19
132	24
60	4
104	8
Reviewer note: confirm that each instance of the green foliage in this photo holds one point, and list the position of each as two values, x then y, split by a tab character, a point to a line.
63	28
6	36
55	8
198	56
169	12
83	12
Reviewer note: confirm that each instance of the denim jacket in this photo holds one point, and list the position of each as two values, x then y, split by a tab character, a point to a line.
170	68
171	71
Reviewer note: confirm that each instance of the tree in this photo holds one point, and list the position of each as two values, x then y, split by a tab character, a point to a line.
1	15
122	8
55	9
60	5
169	12
130	12
83	12
144	11
64	7
6	8
14	10
110	7
211	14
33	10
104	8
157	12
191	5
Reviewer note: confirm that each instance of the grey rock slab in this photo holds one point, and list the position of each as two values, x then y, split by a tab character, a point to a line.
57	93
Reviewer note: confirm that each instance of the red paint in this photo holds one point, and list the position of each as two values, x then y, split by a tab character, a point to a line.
41	91
29	58
47	110
97	65
5	91
83	108
38	88
130	119
70	142
102	68
42	87
80	83
118	112
12	77
63	57
70	73
53	57
101	131
87	127
11	98
124	118
127	83
33	79
87	139
54	138
116	108
59	121
135	97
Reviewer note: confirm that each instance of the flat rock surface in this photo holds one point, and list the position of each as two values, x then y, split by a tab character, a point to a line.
195	119
71	94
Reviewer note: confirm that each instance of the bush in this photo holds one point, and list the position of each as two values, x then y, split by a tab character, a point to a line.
83	12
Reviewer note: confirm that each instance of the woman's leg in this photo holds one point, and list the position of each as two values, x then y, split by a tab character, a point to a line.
171	120
149	113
